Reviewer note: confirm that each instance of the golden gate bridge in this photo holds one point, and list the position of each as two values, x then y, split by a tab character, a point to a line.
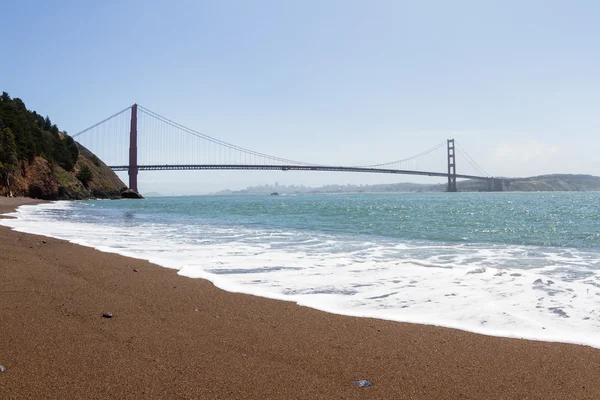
138	139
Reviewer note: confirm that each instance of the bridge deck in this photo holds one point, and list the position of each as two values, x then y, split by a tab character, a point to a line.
274	167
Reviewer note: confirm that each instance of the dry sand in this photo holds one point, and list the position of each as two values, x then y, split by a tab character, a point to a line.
175	337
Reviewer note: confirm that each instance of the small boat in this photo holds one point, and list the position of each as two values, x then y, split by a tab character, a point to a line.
274	194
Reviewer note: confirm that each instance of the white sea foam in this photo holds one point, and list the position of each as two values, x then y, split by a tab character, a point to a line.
546	294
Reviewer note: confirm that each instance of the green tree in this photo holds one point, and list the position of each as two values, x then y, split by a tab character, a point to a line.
73	150
85	175
8	157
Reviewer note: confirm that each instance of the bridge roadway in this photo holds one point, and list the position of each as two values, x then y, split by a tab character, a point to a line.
274	167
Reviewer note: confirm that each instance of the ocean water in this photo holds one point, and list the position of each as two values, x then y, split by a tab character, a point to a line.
523	265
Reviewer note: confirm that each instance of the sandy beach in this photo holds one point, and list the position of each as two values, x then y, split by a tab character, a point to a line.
175	337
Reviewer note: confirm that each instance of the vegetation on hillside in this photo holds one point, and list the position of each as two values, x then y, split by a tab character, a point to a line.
35	135
38	160
8	156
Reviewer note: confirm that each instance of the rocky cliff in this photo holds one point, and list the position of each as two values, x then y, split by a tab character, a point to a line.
42	179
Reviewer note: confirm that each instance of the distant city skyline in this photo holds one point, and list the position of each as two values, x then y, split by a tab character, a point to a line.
346	82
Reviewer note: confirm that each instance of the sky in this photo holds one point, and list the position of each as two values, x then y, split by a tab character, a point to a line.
342	82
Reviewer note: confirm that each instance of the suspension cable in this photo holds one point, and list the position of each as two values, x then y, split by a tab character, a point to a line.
263	155
217	141
406	159
471	161
101	122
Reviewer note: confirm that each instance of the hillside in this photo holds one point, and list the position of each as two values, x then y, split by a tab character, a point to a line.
555	182
38	160
540	183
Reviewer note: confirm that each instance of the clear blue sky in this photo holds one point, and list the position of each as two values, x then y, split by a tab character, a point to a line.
517	83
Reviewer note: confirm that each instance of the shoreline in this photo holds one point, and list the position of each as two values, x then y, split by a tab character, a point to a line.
10	204
548	333
173	337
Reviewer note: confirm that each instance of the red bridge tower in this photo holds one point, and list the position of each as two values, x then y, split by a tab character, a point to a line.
133	164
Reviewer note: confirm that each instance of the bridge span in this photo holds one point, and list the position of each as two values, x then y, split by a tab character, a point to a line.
168	145
290	168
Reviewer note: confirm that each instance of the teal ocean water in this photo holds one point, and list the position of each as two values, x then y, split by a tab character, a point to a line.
508	264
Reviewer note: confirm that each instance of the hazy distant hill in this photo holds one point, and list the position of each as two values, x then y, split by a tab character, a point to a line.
556	182
153	194
301	189
542	183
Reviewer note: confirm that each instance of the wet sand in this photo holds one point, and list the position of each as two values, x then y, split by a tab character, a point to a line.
173	337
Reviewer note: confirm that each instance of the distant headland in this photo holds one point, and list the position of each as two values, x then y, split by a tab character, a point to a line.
541	183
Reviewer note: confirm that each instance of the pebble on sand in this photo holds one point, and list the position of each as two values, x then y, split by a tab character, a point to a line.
2	368
136	270
107	315
362	383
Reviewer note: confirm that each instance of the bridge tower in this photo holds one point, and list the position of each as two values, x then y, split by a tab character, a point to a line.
451	167
133	164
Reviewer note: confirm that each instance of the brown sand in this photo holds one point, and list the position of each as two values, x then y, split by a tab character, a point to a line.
8	205
175	337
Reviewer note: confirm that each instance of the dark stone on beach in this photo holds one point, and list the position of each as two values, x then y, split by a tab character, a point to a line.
2	368
136	270
107	315
43	241
538	282
362	383
131	194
